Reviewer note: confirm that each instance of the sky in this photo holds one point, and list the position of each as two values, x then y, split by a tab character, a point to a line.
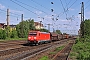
64	17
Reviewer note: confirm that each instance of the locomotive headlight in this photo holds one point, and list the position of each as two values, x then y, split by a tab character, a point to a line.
34	37
29	37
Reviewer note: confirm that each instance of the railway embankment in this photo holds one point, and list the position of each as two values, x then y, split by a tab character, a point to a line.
80	50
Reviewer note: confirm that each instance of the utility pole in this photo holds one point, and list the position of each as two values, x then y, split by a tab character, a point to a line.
7	17
22	25
7	22
82	21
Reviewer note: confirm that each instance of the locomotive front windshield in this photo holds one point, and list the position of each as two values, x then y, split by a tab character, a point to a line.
32	33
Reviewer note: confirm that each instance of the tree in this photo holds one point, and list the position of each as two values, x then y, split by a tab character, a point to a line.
23	30
8	32
44	30
87	27
2	34
86	31
14	34
58	31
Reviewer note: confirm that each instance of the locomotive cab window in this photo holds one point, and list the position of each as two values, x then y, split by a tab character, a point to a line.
33	33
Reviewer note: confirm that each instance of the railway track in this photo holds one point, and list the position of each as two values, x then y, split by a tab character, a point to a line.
18	53
11	44
63	54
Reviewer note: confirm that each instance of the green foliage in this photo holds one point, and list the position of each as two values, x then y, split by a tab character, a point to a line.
44	58
52	52
8	39
85	30
2	34
83	56
24	27
59	48
14	34
77	40
58	31
8	32
44	30
81	50
87	27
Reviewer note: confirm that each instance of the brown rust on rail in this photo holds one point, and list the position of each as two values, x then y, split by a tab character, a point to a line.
63	54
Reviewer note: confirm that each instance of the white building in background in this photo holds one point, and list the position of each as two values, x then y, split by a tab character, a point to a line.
38	25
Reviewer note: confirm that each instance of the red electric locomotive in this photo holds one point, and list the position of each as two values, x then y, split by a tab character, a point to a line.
37	37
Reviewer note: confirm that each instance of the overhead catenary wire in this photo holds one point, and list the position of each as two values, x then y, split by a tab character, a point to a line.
40	5
31	6
73	3
87	5
67	8
87	2
25	8
63	8
10	12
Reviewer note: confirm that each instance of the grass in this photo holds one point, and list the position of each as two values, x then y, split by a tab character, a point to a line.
44	58
80	51
59	48
55	51
52	53
10	39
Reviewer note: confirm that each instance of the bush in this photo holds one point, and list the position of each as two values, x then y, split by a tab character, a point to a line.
83	56
2	34
77	40
14	34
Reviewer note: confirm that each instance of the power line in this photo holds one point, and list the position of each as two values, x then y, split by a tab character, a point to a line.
24	8
88	5
10	12
69	2
31	6
63	8
69	7
40	4
87	2
73	3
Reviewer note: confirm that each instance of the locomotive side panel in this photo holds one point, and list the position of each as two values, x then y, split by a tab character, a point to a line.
43	36
38	37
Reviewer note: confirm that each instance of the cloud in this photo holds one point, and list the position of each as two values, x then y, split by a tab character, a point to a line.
2	6
65	20
38	12
71	9
48	17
